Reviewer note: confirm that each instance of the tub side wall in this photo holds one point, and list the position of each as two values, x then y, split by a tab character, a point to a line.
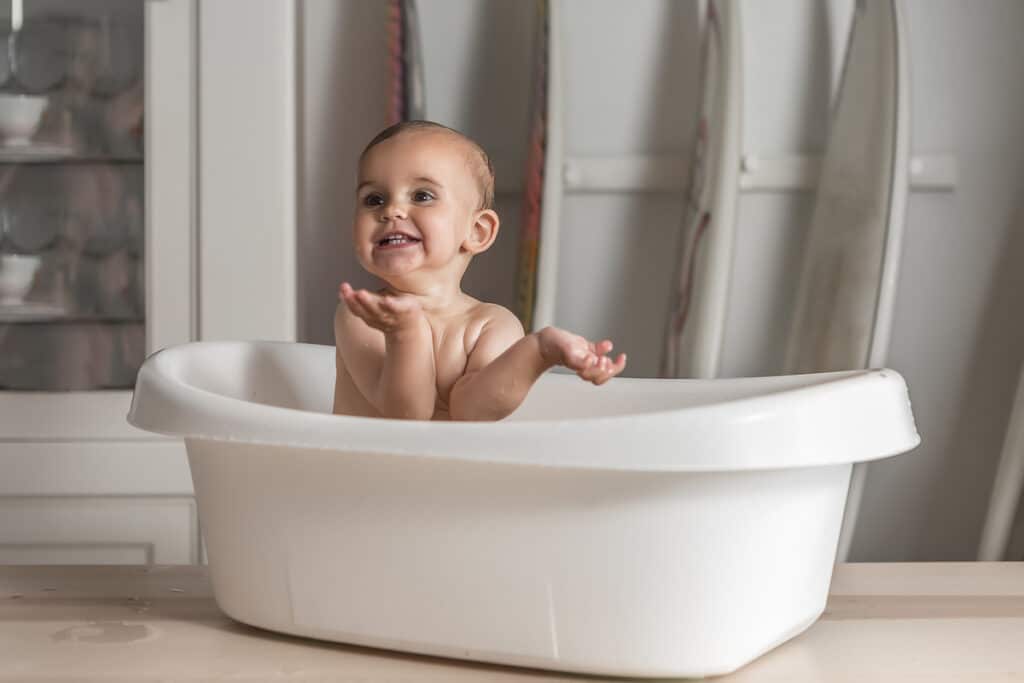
616	573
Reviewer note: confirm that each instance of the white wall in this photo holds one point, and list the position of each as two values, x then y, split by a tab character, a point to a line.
958	338
342	85
247	170
959	332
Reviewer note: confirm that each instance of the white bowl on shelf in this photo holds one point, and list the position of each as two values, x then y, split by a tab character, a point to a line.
19	117
16	275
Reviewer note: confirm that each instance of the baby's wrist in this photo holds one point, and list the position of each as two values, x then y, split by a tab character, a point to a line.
545	348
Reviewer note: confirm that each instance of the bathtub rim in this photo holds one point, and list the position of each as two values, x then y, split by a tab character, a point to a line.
760	431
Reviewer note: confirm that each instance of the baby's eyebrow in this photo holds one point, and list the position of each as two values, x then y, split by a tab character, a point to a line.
419	179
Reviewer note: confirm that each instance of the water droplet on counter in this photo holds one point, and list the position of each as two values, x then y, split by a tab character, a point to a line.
103	632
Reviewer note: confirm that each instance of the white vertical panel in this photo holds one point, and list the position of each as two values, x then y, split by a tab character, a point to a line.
170	173
247	165
342	107
631	90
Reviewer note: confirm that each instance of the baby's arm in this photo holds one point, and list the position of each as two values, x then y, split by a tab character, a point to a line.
505	364
387	347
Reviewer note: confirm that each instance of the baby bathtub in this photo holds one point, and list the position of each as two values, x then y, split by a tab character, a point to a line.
643	528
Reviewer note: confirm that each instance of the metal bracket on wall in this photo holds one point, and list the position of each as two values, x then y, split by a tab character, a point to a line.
638	173
793	173
928	173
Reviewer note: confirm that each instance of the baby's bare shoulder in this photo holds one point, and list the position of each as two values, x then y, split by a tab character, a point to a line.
492	326
493	316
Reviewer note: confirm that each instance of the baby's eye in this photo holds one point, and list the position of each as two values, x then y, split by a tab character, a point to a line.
373	200
422	196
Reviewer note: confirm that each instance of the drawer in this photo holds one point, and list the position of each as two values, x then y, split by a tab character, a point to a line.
98	530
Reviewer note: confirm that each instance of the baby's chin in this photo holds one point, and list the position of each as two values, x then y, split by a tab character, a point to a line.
393	274
407	270
392	269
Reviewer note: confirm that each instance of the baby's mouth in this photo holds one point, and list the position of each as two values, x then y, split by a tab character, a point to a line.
394	240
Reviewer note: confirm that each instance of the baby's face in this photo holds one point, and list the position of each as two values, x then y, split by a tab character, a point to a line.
415	204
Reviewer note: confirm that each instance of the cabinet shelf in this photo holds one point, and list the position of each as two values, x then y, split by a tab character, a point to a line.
56	154
30	313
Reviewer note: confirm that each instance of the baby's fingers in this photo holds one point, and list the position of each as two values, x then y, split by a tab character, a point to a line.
370	301
348	295
594	369
604	369
368	307
580	360
610	369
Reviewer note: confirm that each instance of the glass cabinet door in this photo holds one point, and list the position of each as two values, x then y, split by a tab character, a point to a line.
97	212
72	194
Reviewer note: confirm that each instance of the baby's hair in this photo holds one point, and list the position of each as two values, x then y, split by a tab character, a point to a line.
482	167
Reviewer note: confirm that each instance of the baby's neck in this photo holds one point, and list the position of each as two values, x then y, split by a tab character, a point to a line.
433	298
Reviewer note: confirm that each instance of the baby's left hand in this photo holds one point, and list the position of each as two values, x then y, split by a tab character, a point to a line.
587	358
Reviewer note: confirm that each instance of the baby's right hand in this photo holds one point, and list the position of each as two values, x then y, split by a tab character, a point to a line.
389	314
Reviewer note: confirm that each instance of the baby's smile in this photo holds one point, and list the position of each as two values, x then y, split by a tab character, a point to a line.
396	239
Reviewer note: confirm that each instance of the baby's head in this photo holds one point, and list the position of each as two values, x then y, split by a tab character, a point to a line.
423	205
477	162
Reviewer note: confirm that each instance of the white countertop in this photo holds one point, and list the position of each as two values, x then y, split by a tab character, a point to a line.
930	622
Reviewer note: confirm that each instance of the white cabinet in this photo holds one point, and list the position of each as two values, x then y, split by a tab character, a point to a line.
96	502
78	485
97	530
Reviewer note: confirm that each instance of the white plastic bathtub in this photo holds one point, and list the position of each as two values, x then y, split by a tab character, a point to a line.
642	528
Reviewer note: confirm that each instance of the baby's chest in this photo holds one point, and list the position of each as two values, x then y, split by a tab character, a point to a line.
450	357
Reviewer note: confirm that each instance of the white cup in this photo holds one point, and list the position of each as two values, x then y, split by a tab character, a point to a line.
19	117
16	275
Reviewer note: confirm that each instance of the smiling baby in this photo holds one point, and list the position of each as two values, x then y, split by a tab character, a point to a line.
420	348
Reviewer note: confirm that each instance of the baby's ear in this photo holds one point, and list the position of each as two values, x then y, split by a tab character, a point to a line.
482	233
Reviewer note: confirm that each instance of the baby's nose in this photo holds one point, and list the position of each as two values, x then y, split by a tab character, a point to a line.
392	211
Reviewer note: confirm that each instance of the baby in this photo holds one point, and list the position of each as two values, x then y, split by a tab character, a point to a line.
420	348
